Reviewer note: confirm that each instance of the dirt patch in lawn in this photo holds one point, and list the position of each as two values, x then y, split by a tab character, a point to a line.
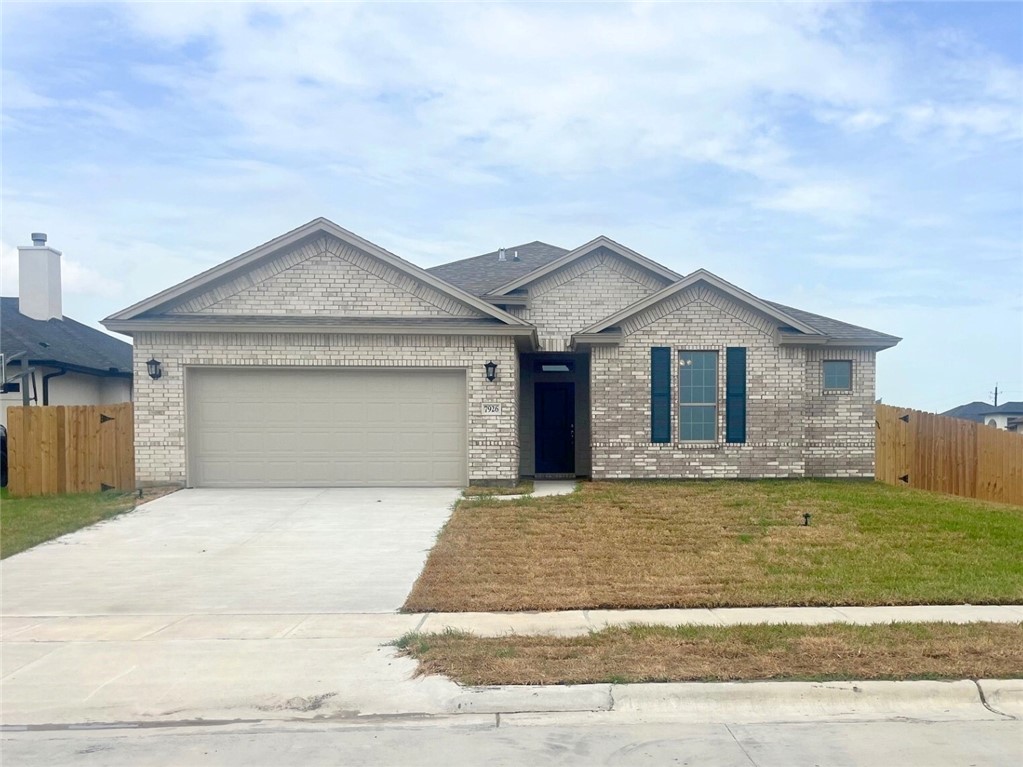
716	544
484	491
720	654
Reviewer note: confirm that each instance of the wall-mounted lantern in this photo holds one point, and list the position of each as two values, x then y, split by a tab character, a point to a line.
154	368
491	370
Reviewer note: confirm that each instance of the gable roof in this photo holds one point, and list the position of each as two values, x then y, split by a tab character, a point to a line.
971	411
122	320
62	343
1006	408
799	326
836	329
700	275
583	250
481	274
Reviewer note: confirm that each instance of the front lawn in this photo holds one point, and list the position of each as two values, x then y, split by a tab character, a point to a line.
27	522
724	544
720	654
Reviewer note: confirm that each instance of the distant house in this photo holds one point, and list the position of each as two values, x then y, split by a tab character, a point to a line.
50	359
1008	415
971	411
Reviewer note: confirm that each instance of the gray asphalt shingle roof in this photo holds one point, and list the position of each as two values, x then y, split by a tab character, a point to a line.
64	341
481	274
834	328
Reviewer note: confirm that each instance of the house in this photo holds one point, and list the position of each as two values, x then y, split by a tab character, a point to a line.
50	359
1008	415
320	358
971	411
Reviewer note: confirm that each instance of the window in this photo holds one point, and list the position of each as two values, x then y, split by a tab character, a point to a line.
698	396
838	375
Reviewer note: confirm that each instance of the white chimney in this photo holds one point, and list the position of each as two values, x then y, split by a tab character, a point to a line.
39	280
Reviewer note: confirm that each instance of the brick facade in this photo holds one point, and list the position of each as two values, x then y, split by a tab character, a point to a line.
493	450
794	429
584	292
325	277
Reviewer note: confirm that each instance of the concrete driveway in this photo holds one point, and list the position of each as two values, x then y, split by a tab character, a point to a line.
237	552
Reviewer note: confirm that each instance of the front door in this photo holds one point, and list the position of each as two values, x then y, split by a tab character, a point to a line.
554	407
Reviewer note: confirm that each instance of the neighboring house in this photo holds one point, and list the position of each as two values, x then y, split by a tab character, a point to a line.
50	359
320	358
1008	415
1005	416
971	411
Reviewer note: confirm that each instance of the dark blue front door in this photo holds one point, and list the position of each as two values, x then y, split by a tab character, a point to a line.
554	408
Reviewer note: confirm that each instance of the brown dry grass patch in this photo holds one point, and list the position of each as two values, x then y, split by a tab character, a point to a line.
736	653
713	544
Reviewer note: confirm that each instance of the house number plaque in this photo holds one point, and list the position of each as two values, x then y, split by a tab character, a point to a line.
491	408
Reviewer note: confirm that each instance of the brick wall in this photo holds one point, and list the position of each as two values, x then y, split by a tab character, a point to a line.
590	289
793	429
160	405
326	277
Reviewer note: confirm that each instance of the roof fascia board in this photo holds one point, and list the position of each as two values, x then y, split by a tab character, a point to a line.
413	327
314	227
81	369
581	251
606	337
868	343
701	275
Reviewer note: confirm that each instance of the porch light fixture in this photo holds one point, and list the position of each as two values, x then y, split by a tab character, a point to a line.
154	368
491	370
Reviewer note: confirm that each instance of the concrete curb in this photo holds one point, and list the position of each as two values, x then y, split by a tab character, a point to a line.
1003	695
758	701
520	699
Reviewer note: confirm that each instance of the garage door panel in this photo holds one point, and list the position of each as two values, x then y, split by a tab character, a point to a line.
326	427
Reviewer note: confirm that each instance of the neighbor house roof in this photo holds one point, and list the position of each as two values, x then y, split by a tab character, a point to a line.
481	274
1006	408
971	411
61	343
975	411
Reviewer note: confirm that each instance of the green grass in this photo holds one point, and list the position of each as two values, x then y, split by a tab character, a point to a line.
787	652
724	544
27	522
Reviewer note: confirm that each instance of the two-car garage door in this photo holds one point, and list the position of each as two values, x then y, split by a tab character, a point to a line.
260	427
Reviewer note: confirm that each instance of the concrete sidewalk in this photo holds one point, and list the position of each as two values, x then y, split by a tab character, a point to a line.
158	627
62	670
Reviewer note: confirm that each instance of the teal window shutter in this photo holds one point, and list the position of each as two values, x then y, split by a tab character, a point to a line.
735	394
660	394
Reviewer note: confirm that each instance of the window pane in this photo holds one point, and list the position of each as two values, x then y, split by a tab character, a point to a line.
838	374
699	423
698	377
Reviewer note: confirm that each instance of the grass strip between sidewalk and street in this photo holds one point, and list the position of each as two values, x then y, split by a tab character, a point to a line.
27	522
662	544
786	652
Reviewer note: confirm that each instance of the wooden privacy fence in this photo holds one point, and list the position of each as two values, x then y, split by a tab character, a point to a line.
949	455
70	449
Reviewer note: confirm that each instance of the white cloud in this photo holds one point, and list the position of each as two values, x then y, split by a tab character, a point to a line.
545	88
829	199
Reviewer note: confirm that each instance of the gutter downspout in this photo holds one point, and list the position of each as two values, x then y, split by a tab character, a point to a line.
46	384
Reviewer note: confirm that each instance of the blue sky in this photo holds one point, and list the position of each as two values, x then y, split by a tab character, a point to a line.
863	161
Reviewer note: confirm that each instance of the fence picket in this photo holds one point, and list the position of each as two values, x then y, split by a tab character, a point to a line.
70	449
948	455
